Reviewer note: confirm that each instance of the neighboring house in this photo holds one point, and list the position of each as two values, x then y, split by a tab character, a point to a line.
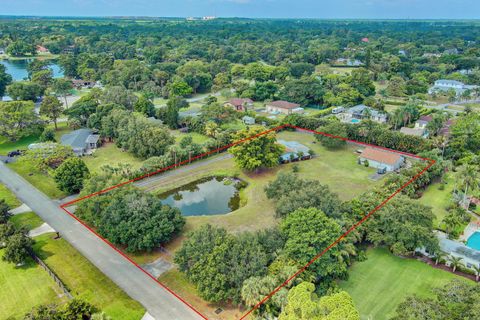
365	40
2	51
402	53
423	121
294	151
360	112
82	141
470	257
239	104
248	120
42	49
443	85
451	51
381	159
79	83
419	132
348	62
431	55
284	107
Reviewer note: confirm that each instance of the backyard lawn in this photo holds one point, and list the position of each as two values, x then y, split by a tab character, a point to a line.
84	280
111	155
22	288
439	199
379	284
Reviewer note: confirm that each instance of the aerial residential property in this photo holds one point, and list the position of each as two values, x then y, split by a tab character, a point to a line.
239	160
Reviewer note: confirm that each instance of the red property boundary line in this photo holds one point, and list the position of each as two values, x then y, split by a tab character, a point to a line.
353	227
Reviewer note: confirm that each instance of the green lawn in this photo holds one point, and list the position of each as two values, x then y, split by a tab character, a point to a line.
9	197
438	199
42	181
84	280
24	287
379	284
28	220
7	146
197	137
110	154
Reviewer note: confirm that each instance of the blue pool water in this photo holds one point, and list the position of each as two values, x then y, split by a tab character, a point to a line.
474	241
354	121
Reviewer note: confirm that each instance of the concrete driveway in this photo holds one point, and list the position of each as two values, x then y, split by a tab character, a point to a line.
160	303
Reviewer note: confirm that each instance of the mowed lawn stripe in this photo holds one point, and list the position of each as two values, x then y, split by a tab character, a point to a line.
24	287
379	284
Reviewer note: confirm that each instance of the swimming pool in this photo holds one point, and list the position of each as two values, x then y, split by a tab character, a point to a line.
474	241
354	121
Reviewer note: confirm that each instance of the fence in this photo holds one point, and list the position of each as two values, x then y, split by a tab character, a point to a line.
52	275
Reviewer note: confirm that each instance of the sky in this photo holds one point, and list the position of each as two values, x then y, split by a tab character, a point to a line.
330	9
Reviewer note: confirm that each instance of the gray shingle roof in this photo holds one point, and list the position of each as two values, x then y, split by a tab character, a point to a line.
76	139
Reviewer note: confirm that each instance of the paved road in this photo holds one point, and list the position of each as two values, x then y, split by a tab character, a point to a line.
159	303
149	183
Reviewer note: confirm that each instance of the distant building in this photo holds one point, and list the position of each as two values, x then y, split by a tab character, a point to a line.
294	151
239	104
423	121
209	18
82	141
381	159
431	55
365	40
451	51
42	49
2	51
248	120
79	83
361	112
284	107
348	62
443	85
402	53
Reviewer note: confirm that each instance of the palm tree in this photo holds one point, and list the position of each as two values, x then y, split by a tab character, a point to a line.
211	129
438	256
440	142
477	272
470	179
455	262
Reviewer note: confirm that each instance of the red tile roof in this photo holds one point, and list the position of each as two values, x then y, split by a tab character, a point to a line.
239	101
283	104
381	156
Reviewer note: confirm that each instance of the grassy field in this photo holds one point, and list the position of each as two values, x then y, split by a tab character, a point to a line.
9	197
22	288
7	146
338	169
84	280
439	199
110	154
28	220
197	137
379	284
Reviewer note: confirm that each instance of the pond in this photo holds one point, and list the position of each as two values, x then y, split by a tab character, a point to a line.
209	196
18	68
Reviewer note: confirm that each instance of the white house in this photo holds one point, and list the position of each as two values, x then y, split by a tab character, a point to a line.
284	107
381	159
360	112
443	85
